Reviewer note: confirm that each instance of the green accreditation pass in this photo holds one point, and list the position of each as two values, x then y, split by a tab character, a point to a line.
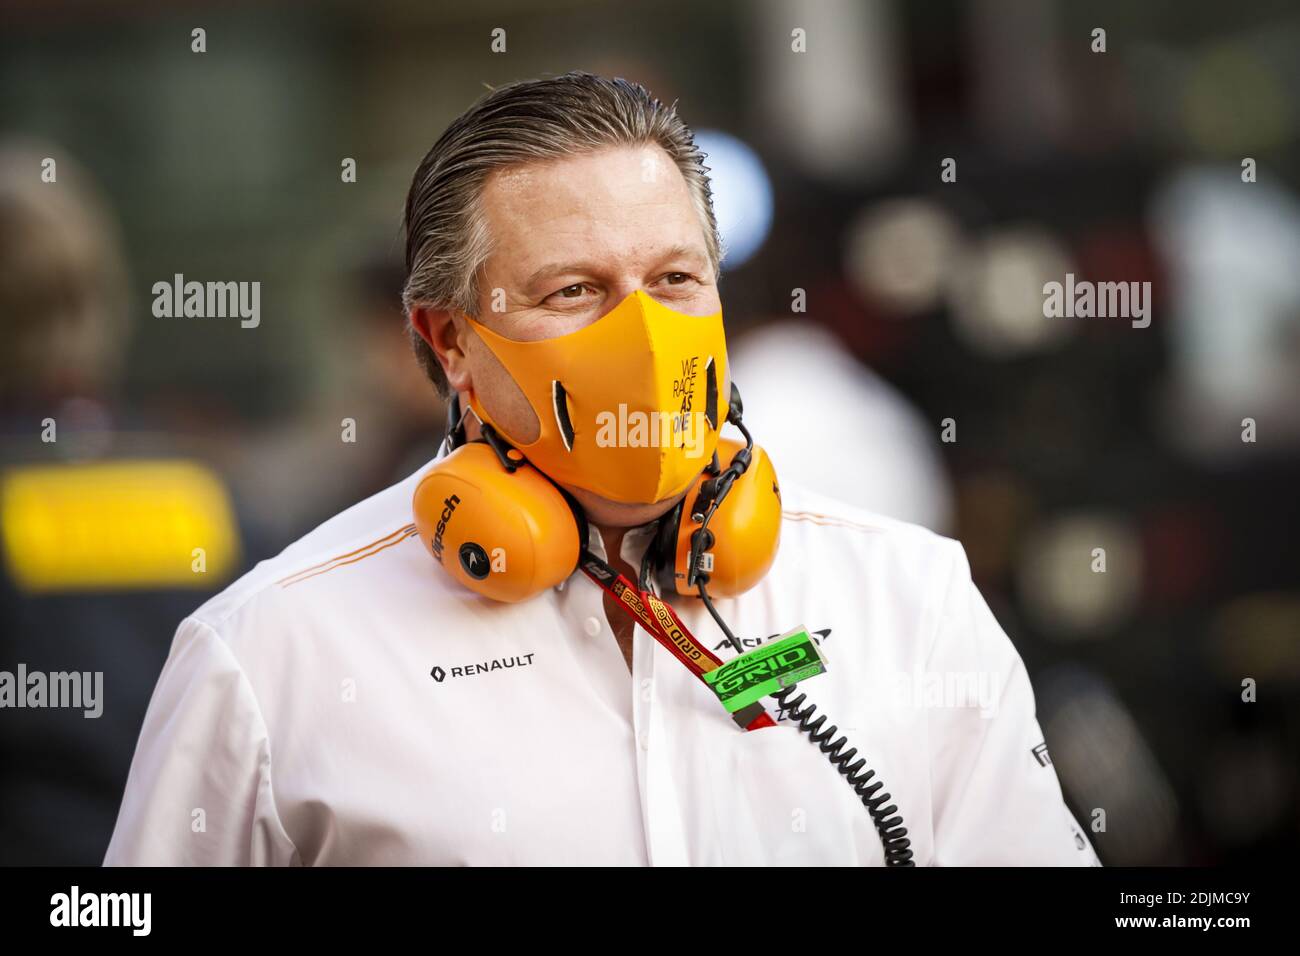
766	670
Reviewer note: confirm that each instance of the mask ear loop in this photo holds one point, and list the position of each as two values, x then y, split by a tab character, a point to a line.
455	434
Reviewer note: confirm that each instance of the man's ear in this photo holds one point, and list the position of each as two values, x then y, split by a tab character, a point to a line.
443	331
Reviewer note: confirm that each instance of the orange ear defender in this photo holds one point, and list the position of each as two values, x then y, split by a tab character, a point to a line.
496	523
738	545
504	530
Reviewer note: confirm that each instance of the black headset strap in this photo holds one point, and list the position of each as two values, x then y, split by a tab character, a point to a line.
455	430
660	560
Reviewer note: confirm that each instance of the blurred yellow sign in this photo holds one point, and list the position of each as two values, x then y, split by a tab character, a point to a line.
117	525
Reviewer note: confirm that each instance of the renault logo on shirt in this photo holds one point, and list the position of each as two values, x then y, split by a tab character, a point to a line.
482	667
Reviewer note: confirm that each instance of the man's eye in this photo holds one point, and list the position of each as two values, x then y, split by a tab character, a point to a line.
572	291
677	278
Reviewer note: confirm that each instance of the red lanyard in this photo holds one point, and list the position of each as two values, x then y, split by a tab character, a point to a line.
663	624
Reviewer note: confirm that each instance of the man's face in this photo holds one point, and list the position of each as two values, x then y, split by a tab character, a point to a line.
572	239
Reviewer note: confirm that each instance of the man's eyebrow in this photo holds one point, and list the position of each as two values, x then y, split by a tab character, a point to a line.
553	269
685	252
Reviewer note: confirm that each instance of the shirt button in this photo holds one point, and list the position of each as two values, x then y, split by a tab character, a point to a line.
644	741
591	626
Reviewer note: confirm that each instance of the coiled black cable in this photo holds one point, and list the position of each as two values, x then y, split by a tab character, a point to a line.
887	819
893	835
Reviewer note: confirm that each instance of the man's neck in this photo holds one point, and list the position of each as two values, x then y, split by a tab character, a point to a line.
619	622
613	538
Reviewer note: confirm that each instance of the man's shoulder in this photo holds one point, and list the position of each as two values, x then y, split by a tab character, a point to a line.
885	584
825	525
826	543
366	530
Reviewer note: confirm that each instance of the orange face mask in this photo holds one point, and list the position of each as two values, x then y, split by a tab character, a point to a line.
629	407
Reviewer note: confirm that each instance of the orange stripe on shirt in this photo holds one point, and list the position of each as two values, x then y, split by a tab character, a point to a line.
370	554
826	520
400	534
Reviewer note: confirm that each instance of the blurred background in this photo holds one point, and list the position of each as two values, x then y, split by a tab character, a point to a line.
886	322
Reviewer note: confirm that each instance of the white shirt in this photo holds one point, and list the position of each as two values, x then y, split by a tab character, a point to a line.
296	720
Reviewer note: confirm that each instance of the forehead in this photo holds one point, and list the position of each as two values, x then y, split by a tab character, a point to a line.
613	205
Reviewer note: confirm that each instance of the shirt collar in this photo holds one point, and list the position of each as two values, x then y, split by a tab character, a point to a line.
635	542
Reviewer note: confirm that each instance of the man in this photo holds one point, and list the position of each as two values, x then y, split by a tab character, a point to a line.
348	702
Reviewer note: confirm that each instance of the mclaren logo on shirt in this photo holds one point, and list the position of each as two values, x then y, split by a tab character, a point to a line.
817	636
485	667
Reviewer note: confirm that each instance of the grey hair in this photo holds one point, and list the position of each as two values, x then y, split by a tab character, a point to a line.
447	240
